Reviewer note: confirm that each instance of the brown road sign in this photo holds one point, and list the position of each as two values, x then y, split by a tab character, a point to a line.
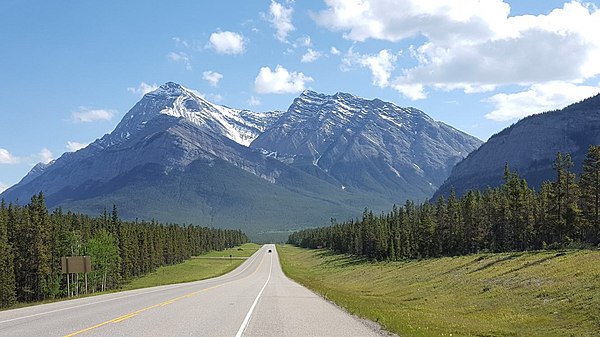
76	264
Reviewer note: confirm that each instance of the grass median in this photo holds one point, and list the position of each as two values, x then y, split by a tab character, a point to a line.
197	268
510	294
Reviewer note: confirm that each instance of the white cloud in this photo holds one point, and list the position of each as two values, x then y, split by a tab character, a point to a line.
227	43
474	45
86	115
468	88
3	187
538	98
411	91
535	57
381	66
45	156
181	42
381	19
303	41
281	19
280	81
253	101
310	56
143	88
334	51
7	158
212	77
180	57
74	146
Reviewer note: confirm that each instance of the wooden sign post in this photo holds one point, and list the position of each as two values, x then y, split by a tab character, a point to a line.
75	265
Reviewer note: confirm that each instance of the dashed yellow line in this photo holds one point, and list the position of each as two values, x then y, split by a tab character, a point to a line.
161	304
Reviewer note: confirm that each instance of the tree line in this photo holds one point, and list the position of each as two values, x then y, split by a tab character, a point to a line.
512	217
33	240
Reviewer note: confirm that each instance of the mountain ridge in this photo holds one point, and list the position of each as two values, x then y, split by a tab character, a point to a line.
529	147
196	161
332	132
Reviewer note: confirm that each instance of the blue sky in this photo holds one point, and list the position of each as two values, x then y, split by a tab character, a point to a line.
71	69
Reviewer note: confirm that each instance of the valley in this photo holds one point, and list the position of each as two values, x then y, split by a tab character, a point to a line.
293	168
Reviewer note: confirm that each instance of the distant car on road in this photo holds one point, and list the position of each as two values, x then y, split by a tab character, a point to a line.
269	250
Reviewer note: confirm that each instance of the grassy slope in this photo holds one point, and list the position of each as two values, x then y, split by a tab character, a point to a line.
196	268
513	294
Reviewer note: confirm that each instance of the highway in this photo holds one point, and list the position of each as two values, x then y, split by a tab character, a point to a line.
256	299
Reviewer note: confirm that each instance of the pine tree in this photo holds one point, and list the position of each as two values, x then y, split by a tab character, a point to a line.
511	217
441	228
590	192
455	225
40	254
8	295
544	219
483	231
565	209
32	241
427	229
60	244
470	211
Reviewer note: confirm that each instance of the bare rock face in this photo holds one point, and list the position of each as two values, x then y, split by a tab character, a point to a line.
367	144
177	157
530	147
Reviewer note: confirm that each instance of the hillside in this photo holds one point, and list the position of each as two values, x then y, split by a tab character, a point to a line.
530	147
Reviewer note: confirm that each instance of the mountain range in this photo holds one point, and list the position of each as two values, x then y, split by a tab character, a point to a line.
529	147
177	157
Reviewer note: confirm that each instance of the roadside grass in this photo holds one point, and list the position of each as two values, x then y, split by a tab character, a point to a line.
191	270
545	293
211	264
245	250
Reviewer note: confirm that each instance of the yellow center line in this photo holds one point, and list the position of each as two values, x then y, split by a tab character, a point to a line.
122	318
161	304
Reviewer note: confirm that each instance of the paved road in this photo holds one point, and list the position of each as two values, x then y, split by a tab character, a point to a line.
256	299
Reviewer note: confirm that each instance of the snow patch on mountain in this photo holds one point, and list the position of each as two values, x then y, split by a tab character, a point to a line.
366	142
172	99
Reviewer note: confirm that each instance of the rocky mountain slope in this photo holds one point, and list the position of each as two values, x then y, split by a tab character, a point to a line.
367	145
177	157
530	147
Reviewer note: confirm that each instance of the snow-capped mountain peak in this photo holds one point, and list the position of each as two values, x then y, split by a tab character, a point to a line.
334	132
172	99
168	89
175	154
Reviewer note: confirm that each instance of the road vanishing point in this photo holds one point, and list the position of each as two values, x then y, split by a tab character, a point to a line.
256	299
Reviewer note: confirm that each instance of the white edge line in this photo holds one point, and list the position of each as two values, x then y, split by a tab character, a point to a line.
174	286
247	318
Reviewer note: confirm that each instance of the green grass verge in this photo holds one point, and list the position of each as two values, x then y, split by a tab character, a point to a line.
512	294
205	266
245	250
195	269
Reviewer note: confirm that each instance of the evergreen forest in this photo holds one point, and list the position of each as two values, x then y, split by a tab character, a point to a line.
563	213
33	241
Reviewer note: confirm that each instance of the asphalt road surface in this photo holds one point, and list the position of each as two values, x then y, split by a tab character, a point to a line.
256	299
